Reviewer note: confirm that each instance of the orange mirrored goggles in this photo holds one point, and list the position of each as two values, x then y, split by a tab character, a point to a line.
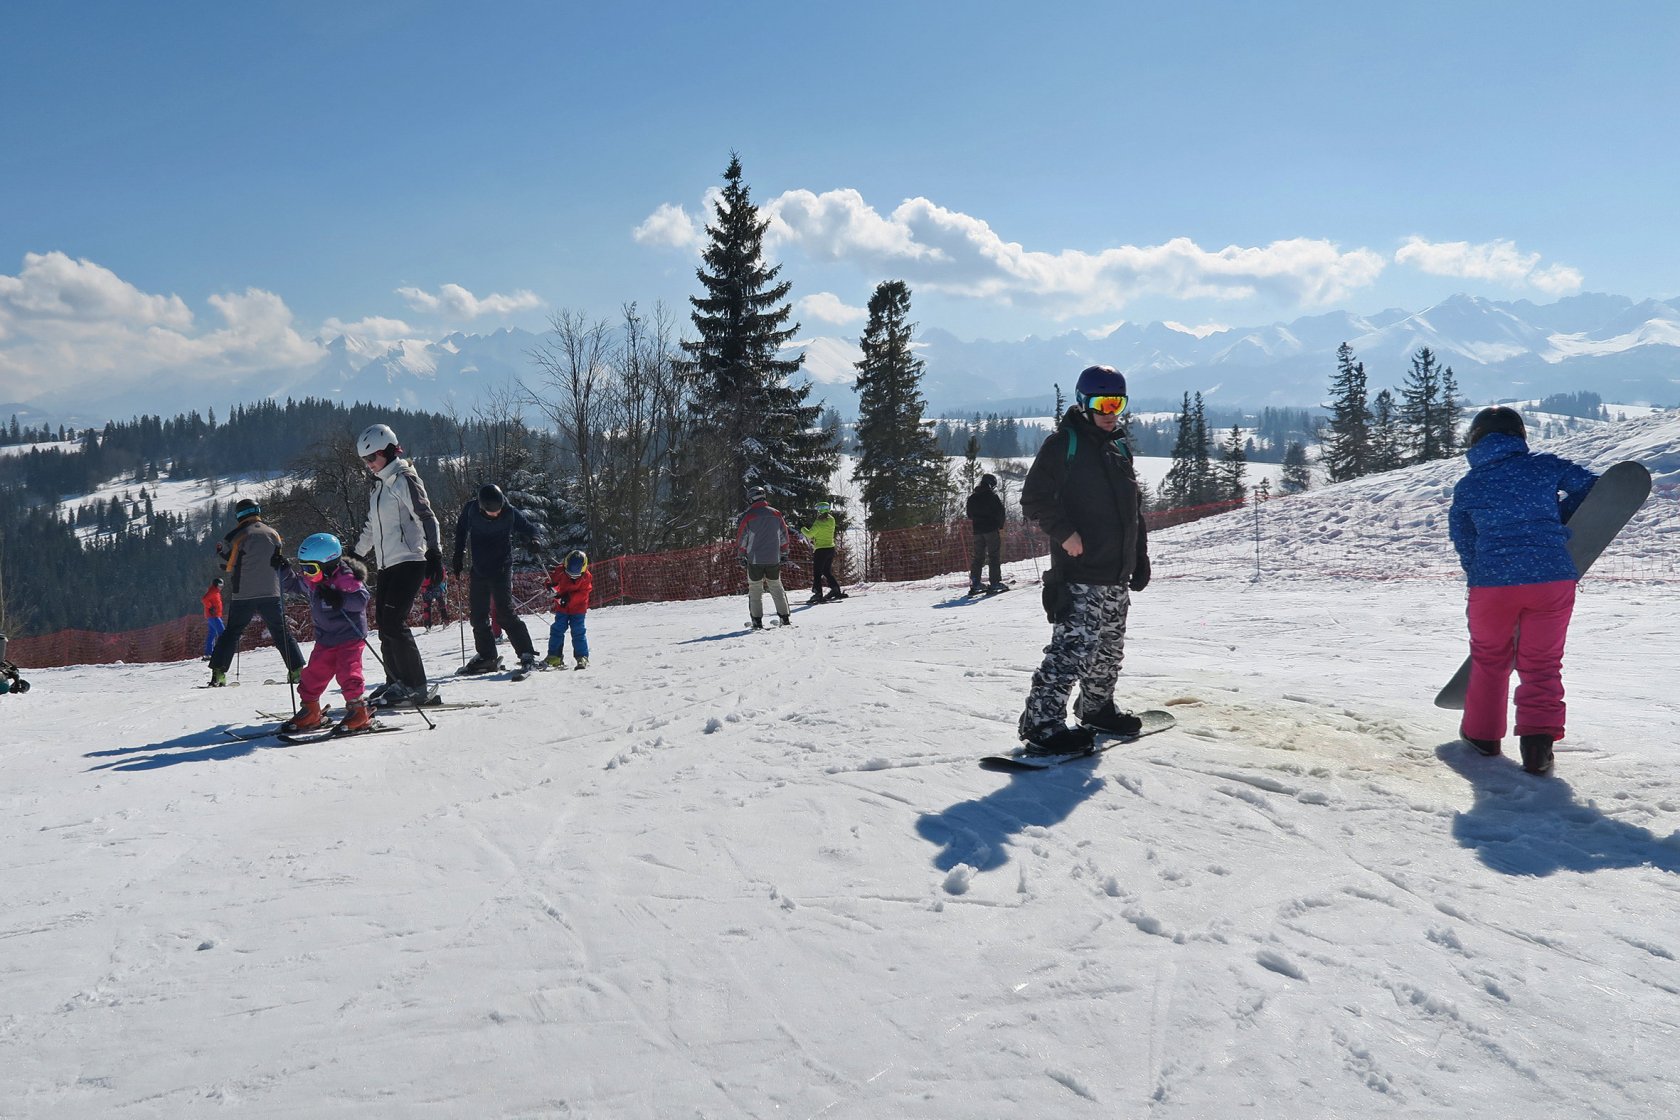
1109	406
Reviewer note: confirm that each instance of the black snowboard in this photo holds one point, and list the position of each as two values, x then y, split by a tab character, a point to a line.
1609	505
1153	720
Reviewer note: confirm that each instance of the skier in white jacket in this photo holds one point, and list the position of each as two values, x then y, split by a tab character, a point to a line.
401	537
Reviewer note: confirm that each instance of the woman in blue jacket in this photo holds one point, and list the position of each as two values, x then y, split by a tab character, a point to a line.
1507	523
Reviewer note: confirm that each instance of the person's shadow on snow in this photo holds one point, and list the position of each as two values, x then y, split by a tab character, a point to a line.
215	747
1520	824
977	832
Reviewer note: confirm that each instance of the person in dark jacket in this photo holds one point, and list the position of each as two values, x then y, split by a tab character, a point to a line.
985	512
490	524
1507	523
1082	491
249	553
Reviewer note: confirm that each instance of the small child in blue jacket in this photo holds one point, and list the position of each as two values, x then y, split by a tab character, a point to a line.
1507	523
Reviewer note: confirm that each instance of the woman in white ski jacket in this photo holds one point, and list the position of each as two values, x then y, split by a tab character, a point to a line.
401	538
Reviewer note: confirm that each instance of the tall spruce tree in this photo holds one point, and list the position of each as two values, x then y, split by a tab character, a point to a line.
1178	487
899	465
1347	443
1205	488
1230	474
1448	430
749	427
1388	450
1424	411
1297	475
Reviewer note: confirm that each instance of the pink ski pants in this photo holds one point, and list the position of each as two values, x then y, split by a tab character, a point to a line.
325	663
1521	627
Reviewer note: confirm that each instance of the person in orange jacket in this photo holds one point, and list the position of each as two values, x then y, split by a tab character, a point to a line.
213	624
573	584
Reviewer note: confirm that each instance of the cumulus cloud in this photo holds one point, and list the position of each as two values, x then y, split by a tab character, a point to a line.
943	250
830	308
371	327
1498	261
454	302
670	226
67	323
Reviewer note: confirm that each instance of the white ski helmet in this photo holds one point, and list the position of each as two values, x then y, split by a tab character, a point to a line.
375	437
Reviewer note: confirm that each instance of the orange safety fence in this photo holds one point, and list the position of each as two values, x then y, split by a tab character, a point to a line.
1271	545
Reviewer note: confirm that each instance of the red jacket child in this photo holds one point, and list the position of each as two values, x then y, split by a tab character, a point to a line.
571	593
212	600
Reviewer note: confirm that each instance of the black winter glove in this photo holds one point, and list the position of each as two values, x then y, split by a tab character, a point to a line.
278	560
1056	597
434	565
1140	574
331	596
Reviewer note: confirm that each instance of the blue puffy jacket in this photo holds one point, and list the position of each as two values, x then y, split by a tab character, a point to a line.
1507	514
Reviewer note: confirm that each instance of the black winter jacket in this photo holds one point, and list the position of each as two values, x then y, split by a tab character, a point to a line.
491	538
985	509
1082	482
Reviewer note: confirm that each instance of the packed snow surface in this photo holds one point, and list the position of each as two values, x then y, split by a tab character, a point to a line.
732	874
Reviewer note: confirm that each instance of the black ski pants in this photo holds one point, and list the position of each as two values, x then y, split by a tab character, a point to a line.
500	588
393	598
988	552
822	568
240	614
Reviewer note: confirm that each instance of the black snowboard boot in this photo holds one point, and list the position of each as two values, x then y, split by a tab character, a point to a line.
1537	754
1057	739
1107	719
1489	747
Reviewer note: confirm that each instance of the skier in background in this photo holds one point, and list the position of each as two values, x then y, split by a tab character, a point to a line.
213	625
402	538
338	599
1082	491
1506	521
985	511
432	599
572	583
490	524
247	554
820	536
762	537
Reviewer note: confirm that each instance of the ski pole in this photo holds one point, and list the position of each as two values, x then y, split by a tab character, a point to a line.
368	646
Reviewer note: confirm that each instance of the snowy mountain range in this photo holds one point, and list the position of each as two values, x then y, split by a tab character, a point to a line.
1625	350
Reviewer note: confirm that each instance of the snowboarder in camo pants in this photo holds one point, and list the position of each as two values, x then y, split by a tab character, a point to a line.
1082	491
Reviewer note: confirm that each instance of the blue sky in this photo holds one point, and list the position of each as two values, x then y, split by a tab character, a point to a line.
211	185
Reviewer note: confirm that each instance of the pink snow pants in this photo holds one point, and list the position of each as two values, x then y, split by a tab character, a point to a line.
1521	627
327	662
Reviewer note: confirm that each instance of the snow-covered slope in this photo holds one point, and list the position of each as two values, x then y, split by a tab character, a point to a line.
724	874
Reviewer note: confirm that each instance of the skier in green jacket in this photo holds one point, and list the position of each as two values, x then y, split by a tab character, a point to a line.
820	535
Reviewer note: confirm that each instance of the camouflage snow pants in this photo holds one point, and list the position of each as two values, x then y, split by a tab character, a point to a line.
1086	647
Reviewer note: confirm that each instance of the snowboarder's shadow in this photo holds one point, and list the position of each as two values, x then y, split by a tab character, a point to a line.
977	832
1524	825
215	747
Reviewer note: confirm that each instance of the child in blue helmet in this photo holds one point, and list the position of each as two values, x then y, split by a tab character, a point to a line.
338	599
572	584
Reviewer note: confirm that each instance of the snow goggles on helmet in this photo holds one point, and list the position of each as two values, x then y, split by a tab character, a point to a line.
311	569
1107	405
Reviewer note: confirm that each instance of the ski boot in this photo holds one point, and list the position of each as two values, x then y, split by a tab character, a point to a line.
785	620
218	678
834	596
758	624
976	589
483	663
1489	747
813	600
555	661
308	718
1110	720
356	717
528	663
582	663
294	676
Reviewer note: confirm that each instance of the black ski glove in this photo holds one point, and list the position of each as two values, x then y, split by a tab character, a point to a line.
331	596
434	565
278	560
1140	574
1056	597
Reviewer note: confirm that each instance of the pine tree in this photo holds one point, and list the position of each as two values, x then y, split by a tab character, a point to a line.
1347	444
1423	410
1387	446
1205	488
1447	431
1297	475
971	468
1233	466
749	428
1178	487
899	466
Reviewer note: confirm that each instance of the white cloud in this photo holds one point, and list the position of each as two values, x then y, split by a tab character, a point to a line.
373	327
947	251
830	308
454	302
1498	261
71	324
670	226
